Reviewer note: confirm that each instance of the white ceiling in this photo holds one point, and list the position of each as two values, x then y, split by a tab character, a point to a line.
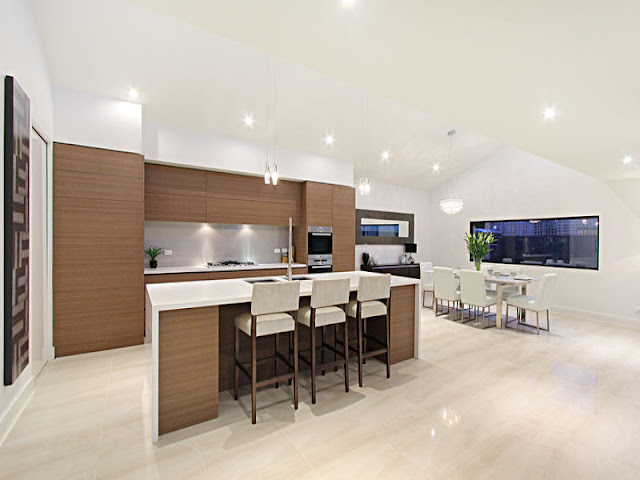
487	67
191	78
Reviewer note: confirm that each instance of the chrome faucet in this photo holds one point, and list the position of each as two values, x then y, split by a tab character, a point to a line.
289	254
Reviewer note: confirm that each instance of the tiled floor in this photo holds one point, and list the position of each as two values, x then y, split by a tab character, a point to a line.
479	404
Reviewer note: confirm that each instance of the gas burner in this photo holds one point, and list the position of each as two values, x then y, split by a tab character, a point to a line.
229	263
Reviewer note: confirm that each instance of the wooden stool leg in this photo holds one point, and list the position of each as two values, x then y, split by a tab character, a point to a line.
275	358
313	358
365	344
346	355
290	352
322	350
359	327
335	345
254	369
295	361
236	370
388	355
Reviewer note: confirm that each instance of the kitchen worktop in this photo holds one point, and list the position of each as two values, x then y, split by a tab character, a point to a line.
220	268
206	293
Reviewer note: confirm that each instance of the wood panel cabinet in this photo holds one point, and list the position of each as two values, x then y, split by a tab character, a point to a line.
191	277
228	185
319	204
232	211
98	238
174	194
344	228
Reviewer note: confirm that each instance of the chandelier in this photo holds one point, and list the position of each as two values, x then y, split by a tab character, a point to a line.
365	186
451	203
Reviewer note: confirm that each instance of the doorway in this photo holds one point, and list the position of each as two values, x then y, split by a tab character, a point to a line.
38	254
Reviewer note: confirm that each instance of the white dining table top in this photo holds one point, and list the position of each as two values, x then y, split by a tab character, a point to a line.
506	279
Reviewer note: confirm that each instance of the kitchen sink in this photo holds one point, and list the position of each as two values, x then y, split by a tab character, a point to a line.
263	280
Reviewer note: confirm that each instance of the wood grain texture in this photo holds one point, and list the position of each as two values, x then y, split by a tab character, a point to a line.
174	180
175	208
174	277
98	237
319	204
91	185
78	158
300	237
188	368
285	192
344	228
228	185
403	322
277	213
230	210
98	222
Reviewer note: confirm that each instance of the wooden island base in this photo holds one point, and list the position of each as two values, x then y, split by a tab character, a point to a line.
196	354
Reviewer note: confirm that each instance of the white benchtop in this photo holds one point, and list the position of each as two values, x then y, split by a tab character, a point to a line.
206	293
205	269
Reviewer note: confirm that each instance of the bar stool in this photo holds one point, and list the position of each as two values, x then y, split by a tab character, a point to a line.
373	300
328	301
274	308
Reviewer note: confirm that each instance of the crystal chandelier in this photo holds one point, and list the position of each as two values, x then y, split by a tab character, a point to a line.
365	186
451	203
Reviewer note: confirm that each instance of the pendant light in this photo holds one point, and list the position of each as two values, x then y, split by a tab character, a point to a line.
271	174
451	203
364	188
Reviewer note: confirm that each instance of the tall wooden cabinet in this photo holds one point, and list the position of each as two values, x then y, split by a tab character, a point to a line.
98	238
344	228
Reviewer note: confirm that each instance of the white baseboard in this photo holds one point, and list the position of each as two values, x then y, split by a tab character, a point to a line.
599	317
15	409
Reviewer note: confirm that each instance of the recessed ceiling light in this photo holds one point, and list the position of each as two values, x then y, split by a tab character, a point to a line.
248	120
348	3
627	159
436	167
133	93
386	155
549	113
329	139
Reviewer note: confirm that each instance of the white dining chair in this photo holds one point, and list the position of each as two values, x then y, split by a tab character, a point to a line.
426	277
540	303
473	292
445	288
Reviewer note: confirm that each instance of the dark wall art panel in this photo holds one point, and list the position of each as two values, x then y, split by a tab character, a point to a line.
17	127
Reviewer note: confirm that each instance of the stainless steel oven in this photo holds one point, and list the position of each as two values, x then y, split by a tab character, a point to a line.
320	249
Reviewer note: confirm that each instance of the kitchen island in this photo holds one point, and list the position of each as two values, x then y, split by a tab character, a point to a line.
190	327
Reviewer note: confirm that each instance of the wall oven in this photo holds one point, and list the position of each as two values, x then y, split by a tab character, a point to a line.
320	250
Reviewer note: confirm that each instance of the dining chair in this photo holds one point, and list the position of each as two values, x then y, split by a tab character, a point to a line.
473	292
426	277
540	303
445	288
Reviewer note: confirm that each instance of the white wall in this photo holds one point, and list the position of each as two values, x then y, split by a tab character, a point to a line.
391	198
21	56
101	122
177	146
516	184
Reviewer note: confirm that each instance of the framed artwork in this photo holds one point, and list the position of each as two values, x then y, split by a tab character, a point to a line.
17	128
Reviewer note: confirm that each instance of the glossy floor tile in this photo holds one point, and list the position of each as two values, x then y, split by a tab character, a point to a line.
479	404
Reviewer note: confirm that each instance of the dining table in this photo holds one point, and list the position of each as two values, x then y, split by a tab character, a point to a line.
502	281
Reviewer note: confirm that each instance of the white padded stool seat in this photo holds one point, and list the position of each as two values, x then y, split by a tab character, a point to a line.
324	316
265	324
372	308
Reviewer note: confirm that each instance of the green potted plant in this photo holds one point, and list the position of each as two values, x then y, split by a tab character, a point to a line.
479	245
153	252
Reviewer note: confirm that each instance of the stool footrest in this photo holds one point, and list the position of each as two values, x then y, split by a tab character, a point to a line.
374	353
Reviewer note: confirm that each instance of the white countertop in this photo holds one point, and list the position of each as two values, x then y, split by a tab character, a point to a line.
206	293
205	269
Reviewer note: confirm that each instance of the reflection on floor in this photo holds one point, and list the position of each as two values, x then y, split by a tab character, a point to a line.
479	404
